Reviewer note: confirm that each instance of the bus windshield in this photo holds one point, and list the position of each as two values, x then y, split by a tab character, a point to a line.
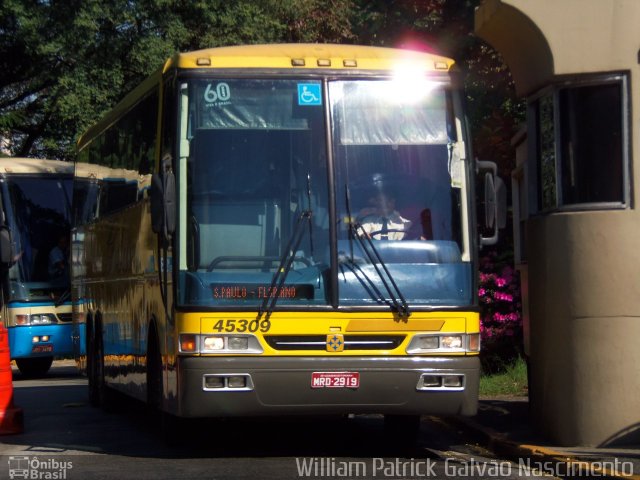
38	210
399	183
253	159
253	164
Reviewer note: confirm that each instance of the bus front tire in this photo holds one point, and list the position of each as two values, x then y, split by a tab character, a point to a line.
34	367
171	427
402	431
94	393
100	394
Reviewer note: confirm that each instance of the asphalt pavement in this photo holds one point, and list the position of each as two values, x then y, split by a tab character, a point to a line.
503	426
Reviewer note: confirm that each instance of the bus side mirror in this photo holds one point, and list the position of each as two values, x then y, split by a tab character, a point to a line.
163	201
495	202
157	212
7	253
170	202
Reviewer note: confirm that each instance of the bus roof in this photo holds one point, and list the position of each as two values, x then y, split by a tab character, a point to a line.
22	166
90	171
315	56
308	56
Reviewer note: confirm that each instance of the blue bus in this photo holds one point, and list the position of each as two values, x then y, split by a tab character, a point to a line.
35	205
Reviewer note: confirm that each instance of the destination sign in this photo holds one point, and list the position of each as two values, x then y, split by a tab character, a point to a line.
260	292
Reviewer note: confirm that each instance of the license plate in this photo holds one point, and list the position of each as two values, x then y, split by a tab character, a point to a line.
335	380
42	349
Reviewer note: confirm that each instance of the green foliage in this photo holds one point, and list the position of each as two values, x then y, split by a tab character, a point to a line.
500	312
511	381
63	64
398	22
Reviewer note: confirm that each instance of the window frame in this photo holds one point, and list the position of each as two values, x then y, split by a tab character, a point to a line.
554	90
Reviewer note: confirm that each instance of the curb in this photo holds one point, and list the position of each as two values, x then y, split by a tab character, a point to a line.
499	444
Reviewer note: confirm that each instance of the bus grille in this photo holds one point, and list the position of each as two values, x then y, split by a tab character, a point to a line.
319	342
64	317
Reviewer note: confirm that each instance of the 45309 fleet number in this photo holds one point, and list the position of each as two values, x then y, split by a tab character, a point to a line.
242	325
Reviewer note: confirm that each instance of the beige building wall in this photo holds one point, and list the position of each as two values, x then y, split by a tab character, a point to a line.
583	265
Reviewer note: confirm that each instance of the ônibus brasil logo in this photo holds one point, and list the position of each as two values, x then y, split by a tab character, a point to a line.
35	468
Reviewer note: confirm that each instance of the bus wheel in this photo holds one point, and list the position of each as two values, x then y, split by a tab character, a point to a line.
154	374
94	394
34	367
104	396
171	427
402	431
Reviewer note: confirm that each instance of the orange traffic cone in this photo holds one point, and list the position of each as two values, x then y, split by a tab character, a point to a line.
11	417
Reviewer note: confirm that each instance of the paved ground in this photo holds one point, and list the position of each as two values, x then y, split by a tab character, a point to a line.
64	437
502	425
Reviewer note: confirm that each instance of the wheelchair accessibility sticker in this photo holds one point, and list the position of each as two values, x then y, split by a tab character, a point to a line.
309	94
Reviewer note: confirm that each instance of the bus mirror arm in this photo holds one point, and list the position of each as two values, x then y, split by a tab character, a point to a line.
495	201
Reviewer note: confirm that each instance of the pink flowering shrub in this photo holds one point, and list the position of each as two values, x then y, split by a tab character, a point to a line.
500	312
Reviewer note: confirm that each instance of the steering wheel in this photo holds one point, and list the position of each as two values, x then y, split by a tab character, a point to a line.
377	219
389	230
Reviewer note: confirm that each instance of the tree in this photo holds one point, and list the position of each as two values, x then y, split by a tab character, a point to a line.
446	26
64	63
29	70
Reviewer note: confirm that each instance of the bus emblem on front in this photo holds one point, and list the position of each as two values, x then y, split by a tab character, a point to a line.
335	342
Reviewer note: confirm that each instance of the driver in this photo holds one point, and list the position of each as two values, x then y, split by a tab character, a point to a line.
382	221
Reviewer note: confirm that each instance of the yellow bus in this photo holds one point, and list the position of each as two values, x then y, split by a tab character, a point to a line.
298	237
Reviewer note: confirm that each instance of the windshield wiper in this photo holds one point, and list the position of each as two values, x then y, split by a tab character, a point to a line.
289	254
365	280
397	301
63	298
284	267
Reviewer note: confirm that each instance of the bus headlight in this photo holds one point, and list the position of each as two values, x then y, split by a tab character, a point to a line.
428	342
230	343
454	343
238	343
222	343
34	319
213	343
451	341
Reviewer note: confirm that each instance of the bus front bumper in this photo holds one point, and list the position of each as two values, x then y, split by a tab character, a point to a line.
212	387
40	340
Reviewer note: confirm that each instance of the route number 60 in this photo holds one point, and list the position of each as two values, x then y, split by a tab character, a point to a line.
220	92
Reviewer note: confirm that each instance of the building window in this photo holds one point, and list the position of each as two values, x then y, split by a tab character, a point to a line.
581	145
